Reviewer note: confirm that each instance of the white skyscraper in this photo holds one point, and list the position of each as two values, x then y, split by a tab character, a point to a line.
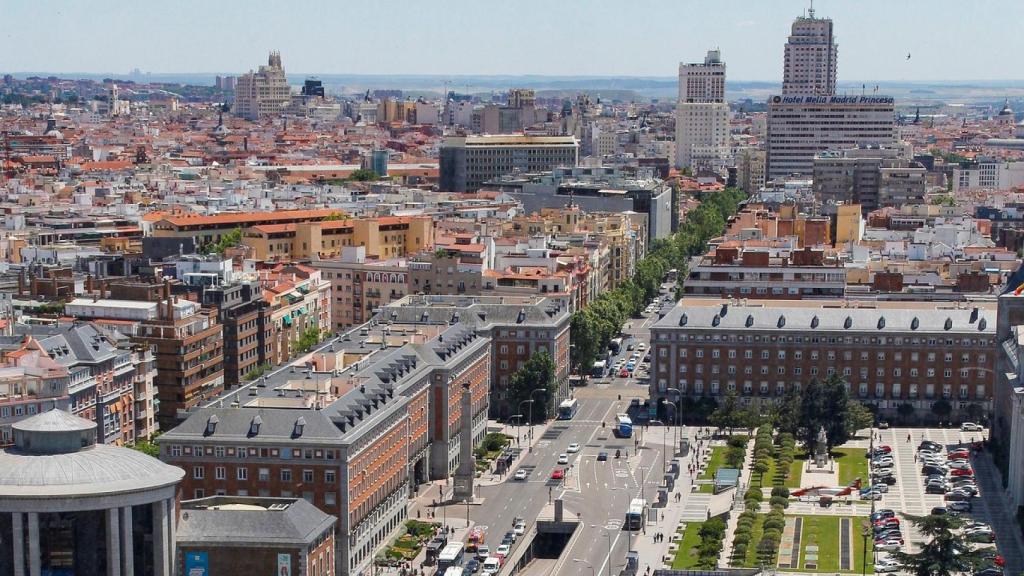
702	116
811	55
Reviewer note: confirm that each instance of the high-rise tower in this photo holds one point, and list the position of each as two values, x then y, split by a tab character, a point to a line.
811	55
702	116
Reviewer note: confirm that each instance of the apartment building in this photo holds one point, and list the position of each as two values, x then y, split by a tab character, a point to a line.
801	126
30	383
205	230
871	177
383	237
469	161
300	302
889	353
780	273
702	115
517	327
355	446
360	286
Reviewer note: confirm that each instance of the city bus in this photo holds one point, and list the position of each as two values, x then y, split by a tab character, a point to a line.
636	515
600	369
568	409
615	345
672	275
450	556
623	426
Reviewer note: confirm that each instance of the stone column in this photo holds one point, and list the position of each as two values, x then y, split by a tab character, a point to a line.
161	560
18	540
113	530
172	526
128	550
34	567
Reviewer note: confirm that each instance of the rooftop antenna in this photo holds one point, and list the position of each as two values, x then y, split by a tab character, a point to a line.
810	11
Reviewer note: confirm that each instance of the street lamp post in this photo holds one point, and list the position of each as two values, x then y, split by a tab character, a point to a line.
864	530
532	392
678	405
609	537
529	423
589	565
519	422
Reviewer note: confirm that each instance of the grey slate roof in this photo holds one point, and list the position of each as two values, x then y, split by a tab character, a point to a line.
297	522
275	425
812	319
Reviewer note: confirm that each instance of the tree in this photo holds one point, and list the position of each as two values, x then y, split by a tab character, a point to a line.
537	372
363	175
975	411
228	240
945	553
336	216
728	415
786	414
942	409
858	417
905	410
147	448
760	467
825	405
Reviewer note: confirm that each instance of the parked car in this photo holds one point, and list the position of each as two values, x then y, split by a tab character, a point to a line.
990	571
886	565
883	513
482	552
935	489
980	535
502	551
960	506
889	545
939	511
884	479
472	566
962	472
929	444
972	427
520	528
958	454
491	566
871	495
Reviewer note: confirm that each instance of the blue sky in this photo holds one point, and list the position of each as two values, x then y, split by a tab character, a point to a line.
947	39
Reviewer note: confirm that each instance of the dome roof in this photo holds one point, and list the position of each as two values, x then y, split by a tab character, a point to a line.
1006	108
55	134
55	455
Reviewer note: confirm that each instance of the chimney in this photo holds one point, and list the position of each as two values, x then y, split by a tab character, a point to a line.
21	283
88	284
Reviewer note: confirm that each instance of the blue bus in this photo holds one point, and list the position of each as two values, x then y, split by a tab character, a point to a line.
636	514
623	426
568	409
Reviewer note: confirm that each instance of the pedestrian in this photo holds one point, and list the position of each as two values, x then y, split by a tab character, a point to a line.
908	437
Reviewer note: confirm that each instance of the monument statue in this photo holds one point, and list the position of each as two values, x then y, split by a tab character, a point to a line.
821	448
466	471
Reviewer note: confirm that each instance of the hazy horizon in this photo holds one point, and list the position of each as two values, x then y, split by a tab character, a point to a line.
456	38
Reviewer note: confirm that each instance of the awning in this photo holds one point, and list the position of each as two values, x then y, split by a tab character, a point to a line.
287	320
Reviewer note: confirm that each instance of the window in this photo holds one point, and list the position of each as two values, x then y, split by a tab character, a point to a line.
798	355
715	354
200	493
913	372
242	473
765	354
700	353
219	473
218	451
307	476
329	476
264	474
948	357
781	355
330	499
797	371
879	390
175	450
814	355
198	472
732	354
286	475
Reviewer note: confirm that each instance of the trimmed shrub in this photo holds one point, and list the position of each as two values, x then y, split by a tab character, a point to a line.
743	538
780	492
779	501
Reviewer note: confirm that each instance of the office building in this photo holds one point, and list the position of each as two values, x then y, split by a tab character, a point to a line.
469	161
70	505
799	127
383	237
702	116
750	165
313	88
889	353
264	92
780	273
811	56
353	438
869	176
253	535
985	173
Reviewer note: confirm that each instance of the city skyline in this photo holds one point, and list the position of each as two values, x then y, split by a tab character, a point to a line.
874	43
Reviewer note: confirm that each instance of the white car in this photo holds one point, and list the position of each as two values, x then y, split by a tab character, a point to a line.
885	566
972	427
641	346
890	545
872	495
520	474
502	551
563	458
573	448
519	529
959	464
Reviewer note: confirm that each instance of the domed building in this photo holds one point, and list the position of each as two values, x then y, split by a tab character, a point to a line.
1006	115
71	506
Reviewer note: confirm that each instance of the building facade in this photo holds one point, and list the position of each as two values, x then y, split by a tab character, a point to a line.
264	92
469	161
871	177
889	353
811	57
702	115
59	489
801	126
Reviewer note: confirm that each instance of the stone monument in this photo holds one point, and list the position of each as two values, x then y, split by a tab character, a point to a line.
466	471
821	448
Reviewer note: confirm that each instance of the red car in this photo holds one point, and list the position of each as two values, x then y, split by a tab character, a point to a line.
623	373
883	448
888	523
961	472
557	474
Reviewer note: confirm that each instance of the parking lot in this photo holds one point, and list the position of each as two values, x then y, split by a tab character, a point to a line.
908	495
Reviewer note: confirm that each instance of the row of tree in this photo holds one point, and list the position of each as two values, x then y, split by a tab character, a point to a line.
595	325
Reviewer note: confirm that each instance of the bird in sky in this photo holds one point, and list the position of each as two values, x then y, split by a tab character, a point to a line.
908	55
